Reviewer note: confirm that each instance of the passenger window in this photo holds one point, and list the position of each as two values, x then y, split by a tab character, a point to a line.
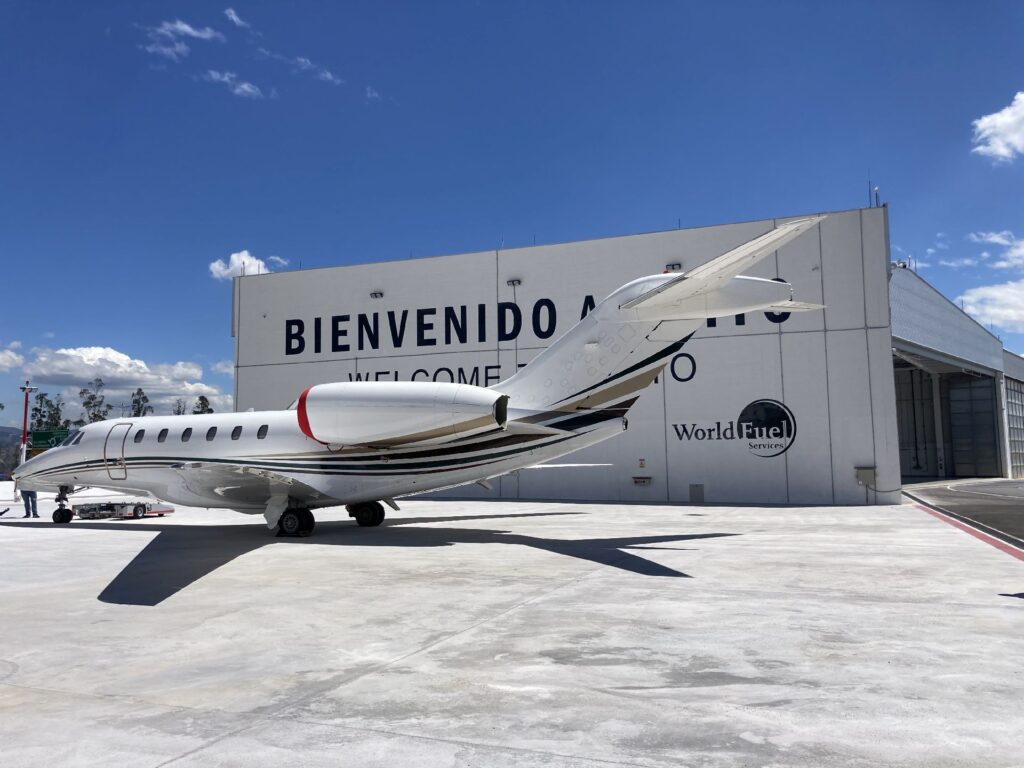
186	435
211	433
162	436
79	438
262	432
236	433
139	435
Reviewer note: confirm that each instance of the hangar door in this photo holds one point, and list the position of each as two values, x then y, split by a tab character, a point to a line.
972	424
1015	425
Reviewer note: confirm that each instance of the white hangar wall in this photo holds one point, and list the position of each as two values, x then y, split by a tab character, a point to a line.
832	370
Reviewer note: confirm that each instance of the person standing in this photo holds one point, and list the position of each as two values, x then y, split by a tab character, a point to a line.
29	497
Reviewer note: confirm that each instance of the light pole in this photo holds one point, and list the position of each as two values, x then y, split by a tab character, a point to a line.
24	423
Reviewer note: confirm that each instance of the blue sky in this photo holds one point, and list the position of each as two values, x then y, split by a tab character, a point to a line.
142	142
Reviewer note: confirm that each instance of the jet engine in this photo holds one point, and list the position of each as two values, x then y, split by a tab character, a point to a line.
399	413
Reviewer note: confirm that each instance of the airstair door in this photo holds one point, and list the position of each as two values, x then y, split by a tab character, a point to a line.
113	451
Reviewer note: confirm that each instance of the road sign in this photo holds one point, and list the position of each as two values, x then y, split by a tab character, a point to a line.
47	438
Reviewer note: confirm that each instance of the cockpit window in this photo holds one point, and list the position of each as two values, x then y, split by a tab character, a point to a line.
67	440
139	435
78	438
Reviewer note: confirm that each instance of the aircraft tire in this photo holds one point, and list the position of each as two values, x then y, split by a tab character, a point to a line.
139	511
308	522
290	523
378	510
367	515
62	515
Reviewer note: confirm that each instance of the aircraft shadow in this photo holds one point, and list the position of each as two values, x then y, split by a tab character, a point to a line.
182	554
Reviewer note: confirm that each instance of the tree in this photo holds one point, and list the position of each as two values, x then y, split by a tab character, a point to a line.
140	403
178	409
47	413
93	406
202	405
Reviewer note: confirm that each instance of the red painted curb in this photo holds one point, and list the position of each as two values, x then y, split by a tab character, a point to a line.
1000	545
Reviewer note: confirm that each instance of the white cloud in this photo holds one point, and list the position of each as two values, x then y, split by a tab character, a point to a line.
930	251
329	77
73	368
999	305
14	345
372	94
230	80
277	261
179	28
175	51
49	335
299	64
9	359
235	19
238	264
957	263
225	367
1001	134
166	40
995	238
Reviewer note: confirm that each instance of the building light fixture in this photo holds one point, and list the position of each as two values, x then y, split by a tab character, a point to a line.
376	294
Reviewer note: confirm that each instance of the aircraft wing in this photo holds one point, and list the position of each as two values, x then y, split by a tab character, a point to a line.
712	275
243	486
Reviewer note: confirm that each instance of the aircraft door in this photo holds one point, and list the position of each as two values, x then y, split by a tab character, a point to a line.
113	451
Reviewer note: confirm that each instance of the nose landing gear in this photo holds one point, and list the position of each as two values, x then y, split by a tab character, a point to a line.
62	515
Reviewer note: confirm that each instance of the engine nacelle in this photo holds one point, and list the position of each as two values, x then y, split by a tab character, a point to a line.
399	413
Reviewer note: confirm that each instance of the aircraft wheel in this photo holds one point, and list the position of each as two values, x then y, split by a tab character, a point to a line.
296	522
367	515
62	515
290	523
378	510
139	511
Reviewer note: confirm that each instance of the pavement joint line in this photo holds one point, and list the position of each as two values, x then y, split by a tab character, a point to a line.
466	743
271	713
995	539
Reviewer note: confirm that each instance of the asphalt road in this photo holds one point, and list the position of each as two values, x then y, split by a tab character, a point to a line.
995	504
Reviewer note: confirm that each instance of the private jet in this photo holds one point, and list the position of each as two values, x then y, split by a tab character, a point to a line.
365	444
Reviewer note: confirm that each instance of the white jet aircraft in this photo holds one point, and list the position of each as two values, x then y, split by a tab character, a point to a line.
360	443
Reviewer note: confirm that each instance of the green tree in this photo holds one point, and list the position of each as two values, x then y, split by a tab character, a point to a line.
140	403
93	406
202	405
48	413
179	407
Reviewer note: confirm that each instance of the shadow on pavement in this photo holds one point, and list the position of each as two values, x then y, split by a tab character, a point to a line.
182	554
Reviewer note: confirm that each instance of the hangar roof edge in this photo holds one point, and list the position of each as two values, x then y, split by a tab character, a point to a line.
884	207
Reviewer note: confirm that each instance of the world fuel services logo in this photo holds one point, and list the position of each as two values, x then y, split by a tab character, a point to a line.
767	427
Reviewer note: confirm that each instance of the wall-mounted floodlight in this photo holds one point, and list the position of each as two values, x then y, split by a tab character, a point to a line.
376	294
514	282
675	266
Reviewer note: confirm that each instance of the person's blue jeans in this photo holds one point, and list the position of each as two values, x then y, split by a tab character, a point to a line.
29	497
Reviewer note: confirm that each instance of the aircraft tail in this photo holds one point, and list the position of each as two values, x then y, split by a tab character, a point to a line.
604	361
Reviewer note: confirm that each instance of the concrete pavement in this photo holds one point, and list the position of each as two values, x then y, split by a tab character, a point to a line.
469	633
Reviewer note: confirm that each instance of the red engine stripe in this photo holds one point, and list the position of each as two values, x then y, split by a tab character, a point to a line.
303	418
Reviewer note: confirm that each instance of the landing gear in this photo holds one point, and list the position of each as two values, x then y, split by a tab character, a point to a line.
368	514
62	514
296	522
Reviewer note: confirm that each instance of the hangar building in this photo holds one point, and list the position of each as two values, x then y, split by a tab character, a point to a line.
890	380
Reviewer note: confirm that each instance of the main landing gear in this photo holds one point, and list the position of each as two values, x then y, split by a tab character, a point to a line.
296	522
62	515
367	514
